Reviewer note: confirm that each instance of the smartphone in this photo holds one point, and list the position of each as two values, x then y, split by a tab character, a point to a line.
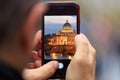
60	25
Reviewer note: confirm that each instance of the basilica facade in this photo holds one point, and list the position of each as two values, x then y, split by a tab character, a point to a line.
65	36
62	42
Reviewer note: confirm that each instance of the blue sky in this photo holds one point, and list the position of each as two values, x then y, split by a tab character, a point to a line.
54	24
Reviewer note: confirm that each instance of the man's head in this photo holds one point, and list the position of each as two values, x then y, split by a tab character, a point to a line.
18	20
12	16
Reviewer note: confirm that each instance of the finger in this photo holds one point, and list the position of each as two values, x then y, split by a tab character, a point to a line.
92	51
37	40
40	53
30	66
36	55
47	70
82	48
91	48
92	55
85	38
37	63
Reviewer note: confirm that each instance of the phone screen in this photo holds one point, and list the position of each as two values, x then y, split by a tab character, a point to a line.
59	33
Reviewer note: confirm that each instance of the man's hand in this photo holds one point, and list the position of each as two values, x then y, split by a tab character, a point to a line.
38	72
82	66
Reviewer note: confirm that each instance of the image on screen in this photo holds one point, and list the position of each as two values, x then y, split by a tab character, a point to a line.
59	33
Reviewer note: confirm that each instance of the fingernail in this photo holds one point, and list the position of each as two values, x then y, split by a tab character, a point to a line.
79	37
34	53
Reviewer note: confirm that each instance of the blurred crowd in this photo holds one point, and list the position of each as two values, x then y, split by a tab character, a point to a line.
100	22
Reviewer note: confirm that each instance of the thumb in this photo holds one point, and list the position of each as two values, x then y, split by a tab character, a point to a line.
47	70
41	73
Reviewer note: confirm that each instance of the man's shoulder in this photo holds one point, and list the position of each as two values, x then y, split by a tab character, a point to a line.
8	73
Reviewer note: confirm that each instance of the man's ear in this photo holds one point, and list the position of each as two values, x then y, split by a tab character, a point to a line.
30	25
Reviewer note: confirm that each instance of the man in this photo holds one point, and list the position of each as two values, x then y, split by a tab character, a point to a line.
18	22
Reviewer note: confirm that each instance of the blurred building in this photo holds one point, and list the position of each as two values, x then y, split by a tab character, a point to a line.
62	42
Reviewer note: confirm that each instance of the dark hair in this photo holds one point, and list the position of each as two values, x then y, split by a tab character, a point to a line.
12	15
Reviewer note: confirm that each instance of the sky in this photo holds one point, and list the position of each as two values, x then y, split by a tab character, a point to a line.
54	24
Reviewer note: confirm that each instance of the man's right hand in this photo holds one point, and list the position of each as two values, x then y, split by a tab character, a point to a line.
38	71
82	66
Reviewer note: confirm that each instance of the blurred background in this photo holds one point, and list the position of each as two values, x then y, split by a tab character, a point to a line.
100	22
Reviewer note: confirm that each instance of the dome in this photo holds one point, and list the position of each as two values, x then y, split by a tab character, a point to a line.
67	24
66	29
